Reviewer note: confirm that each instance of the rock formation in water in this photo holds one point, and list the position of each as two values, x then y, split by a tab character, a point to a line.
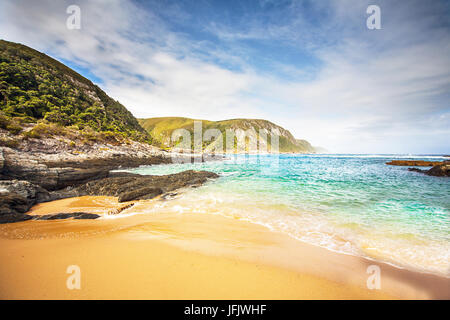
18	196
414	163
440	170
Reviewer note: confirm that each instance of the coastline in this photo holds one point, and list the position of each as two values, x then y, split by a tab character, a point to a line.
184	256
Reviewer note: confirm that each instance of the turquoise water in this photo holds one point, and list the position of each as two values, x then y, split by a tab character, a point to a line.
355	204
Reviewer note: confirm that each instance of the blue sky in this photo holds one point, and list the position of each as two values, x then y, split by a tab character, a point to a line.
311	66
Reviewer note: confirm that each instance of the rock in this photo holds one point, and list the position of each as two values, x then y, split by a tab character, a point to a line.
14	217
128	186
25	189
56	216
17	197
54	172
119	210
414	163
417	170
44	170
50	165
13	203
140	194
60	216
87	216
440	170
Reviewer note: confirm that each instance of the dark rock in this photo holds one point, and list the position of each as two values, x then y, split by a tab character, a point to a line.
13	203
61	216
14	217
442	170
87	216
127	186
17	197
25	189
56	216
417	170
142	194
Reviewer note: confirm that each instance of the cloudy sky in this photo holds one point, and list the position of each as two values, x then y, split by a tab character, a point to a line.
312	67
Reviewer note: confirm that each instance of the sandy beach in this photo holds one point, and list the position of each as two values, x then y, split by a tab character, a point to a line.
184	256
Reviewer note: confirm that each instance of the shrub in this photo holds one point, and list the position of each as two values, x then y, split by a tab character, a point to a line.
43	129
10	124
10	143
14	128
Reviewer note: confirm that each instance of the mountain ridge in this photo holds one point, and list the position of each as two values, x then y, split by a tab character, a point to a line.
161	129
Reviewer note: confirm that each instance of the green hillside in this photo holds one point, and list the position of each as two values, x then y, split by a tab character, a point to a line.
161	131
35	87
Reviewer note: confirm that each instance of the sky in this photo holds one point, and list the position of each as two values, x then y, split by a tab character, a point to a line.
312	67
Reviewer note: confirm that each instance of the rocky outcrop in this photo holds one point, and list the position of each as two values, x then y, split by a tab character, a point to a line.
128	186
440	170
13	207
46	170
54	171
54	174
414	163
18	196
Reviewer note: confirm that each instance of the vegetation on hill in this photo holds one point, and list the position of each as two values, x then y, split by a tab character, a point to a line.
36	88
161	130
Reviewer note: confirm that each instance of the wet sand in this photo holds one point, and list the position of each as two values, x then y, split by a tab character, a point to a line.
183	256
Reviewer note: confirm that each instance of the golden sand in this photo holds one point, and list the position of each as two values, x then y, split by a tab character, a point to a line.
183	256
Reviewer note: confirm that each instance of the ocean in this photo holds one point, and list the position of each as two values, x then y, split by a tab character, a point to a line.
353	204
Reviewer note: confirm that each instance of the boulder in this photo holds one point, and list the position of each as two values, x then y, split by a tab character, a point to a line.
14	217
12	203
440	170
23	188
17	197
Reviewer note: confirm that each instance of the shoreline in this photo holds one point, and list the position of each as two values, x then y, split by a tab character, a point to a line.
200	243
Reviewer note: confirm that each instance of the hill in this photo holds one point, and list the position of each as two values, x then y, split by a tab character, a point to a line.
35	87
161	130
